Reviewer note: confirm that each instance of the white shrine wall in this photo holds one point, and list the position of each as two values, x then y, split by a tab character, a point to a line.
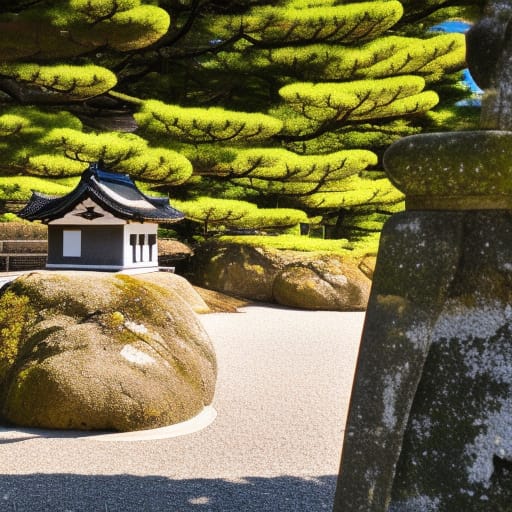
103	242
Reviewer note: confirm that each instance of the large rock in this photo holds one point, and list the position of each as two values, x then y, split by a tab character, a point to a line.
180	286
290	278
324	284
236	269
90	350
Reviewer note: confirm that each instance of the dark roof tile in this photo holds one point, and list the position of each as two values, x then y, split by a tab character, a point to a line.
114	192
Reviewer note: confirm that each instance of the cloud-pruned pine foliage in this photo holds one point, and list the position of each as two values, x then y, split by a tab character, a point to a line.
253	114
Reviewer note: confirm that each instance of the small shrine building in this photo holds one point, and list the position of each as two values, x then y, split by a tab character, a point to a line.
105	223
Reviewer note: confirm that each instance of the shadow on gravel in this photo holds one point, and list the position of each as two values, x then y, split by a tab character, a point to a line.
126	493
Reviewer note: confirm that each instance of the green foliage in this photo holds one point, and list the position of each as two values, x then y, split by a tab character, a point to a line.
69	29
15	312
198	125
221	214
380	58
294	243
112	147
23	132
94	10
11	124
35	122
122	152
74	82
138	27
360	100
19	188
272	218
430	58
256	103
54	166
8	217
335	23
215	213
284	166
461	118
158	165
353	192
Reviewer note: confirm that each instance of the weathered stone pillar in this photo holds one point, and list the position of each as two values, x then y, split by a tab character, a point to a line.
489	57
430	422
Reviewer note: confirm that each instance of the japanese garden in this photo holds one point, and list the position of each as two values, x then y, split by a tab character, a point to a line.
318	155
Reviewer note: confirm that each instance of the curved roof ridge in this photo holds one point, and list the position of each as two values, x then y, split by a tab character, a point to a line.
45	196
115	192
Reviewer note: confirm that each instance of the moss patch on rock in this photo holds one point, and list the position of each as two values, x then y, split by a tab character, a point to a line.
15	313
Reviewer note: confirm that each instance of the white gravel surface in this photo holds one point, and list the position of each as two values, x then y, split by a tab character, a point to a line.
281	400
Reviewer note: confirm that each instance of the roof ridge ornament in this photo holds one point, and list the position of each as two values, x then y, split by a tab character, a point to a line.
89	213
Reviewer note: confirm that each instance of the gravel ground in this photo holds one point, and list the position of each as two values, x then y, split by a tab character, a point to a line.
281	399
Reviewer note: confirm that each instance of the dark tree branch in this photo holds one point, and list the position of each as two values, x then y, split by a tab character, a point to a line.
20	7
417	16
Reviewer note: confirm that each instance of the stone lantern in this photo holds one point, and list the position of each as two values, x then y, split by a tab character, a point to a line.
430	421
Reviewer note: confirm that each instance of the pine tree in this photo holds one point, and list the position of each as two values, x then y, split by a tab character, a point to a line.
343	84
283	104
54	78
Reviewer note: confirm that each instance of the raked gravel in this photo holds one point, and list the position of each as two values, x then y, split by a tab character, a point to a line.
281	400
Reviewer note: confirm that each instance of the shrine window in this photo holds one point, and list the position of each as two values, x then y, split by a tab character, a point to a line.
72	243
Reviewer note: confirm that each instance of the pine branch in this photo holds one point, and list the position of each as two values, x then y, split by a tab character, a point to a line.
418	16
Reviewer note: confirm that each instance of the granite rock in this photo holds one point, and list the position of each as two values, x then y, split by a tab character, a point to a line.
99	351
430	422
291	278
322	284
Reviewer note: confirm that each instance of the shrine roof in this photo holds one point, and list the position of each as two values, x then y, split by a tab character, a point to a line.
114	192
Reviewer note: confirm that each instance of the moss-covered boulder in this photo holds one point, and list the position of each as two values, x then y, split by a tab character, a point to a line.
90	350
290	278
322	284
235	269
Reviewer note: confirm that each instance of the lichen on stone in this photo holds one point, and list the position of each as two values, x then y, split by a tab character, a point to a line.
417	504
495	438
461	419
459	320
390	395
420	335
136	356
495	441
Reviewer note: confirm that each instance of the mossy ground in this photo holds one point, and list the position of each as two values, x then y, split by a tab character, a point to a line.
352	250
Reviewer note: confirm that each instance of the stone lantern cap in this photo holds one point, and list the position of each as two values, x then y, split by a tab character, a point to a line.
453	171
